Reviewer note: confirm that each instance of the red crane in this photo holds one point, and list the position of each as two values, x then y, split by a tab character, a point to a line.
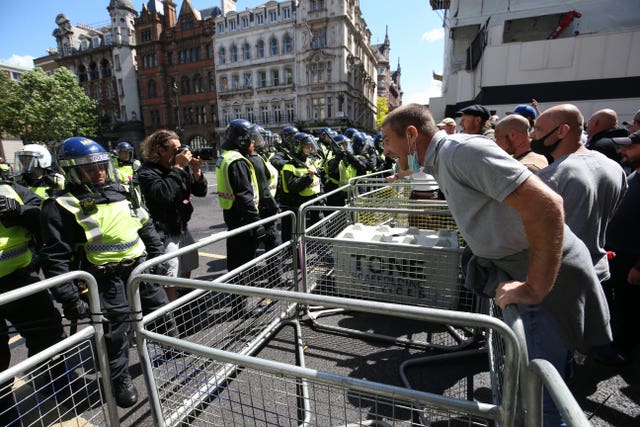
565	21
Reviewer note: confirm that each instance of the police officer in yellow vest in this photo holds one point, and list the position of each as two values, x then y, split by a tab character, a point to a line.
34	317
95	225
267	178
300	181
126	163
238	192
33	170
339	170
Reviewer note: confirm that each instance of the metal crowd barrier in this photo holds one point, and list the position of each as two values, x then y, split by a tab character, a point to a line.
63	384
282	383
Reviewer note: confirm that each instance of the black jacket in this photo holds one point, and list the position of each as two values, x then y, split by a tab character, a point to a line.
167	193
29	215
243	210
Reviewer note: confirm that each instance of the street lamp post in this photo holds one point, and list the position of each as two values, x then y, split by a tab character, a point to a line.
175	92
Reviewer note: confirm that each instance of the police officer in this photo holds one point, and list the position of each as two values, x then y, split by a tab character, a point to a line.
339	170
267	178
300	181
34	316
127	165
33	170
95	225
5	169
238	193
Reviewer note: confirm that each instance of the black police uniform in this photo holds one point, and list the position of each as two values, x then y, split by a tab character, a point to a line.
60	254
267	206
34	317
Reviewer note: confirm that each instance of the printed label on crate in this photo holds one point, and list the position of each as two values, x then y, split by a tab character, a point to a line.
389	264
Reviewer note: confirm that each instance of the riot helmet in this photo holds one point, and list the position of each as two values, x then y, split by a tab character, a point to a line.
30	157
241	133
344	143
124	151
360	143
304	145
350	132
287	135
85	162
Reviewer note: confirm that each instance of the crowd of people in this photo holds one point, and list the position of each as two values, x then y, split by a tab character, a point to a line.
546	203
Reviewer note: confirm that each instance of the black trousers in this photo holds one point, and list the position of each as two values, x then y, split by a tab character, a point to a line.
623	300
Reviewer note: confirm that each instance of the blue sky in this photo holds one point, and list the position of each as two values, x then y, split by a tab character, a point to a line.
415	33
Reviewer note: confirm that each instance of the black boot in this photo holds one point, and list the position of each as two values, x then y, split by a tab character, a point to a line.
125	392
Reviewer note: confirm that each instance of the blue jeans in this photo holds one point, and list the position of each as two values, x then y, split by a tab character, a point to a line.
544	342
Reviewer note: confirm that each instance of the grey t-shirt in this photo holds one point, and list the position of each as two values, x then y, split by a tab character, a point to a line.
476	176
591	186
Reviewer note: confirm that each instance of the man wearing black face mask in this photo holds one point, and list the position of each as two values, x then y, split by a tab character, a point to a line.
591	185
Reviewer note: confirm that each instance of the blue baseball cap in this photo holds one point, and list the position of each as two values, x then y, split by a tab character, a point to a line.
526	111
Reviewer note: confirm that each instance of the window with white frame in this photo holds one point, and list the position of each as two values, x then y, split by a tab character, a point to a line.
262	78
273	16
249	114
291	117
275	77
226	117
260	49
235	82
222	56
245	22
264	114
236	113
288	76
318	108
274	47
220	27
246	52
277	113
248	77
287	45
233	54
232	25
224	84
286	13
260	19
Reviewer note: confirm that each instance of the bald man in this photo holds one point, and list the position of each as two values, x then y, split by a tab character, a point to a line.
512	135
590	184
602	126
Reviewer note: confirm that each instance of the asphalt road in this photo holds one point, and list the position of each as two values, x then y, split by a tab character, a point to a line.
608	395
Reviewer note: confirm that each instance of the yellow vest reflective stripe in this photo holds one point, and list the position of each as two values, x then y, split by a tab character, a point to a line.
42	190
311	190
111	231
14	240
225	192
346	173
273	178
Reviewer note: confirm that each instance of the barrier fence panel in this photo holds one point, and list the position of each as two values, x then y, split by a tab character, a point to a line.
390	261
63	384
286	383
224	321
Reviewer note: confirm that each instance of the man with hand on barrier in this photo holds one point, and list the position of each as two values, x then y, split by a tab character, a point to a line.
514	224
97	226
34	316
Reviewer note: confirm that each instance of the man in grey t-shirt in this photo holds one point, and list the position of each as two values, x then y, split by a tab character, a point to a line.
514	225
590	184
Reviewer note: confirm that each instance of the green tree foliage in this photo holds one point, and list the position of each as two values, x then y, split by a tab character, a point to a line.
383	109
46	108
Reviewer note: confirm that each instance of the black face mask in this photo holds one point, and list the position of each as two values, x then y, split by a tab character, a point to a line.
537	145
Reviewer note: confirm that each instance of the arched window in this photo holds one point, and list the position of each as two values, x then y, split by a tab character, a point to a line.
233	54
197	84
274	47
260	49
287	45
222	56
185	86
246	52
152	89
105	68
82	74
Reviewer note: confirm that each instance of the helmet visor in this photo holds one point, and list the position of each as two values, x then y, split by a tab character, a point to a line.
93	169
27	161
255	137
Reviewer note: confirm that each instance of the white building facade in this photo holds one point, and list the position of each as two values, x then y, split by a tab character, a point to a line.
502	53
306	63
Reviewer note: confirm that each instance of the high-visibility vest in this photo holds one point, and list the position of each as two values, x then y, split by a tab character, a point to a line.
225	192
14	240
273	177
311	190
111	231
126	171
346	173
